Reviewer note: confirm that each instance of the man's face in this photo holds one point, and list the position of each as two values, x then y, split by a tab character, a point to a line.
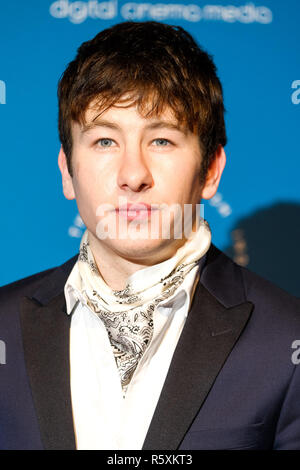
121	159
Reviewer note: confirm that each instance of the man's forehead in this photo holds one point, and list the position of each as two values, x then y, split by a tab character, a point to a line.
95	115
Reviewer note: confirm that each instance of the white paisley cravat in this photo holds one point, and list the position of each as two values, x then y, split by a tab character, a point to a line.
128	314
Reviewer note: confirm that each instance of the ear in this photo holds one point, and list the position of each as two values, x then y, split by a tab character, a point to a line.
214	174
67	181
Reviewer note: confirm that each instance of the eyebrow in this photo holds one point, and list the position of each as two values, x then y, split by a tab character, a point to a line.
112	125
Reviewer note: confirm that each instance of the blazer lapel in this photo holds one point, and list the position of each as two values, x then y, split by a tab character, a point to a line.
210	333
218	315
45	330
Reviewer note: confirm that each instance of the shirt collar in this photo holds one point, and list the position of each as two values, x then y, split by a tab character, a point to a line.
72	289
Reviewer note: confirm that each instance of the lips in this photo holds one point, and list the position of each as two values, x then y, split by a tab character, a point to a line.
136	211
136	207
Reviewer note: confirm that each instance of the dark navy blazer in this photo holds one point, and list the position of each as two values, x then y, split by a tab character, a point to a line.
232	383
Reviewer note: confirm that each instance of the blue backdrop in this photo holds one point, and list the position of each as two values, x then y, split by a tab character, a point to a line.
255	216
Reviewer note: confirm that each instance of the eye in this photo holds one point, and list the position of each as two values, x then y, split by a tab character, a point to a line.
162	142
105	142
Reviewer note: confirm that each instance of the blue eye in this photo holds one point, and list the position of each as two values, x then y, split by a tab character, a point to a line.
162	142
105	142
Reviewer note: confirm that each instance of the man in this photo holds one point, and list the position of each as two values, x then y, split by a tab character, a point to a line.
151	338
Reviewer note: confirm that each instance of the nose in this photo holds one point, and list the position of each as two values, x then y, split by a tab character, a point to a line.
134	173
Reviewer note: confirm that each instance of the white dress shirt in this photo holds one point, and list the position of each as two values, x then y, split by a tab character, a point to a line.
103	418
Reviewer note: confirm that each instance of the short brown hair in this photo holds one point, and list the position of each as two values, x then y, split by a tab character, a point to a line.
151	62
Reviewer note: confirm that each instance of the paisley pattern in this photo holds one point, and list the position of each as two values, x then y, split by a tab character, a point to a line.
128	314
131	331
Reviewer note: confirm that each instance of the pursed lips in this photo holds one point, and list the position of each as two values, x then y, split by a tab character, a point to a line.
141	210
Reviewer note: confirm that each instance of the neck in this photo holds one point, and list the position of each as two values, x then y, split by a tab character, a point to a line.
115	268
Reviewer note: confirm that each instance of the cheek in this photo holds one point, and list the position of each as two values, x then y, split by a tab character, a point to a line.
92	184
184	182
192	176
83	181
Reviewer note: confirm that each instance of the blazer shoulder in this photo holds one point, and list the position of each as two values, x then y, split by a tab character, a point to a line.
11	293
256	285
234	284
282	307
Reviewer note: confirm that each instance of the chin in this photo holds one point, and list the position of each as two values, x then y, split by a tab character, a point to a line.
144	249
